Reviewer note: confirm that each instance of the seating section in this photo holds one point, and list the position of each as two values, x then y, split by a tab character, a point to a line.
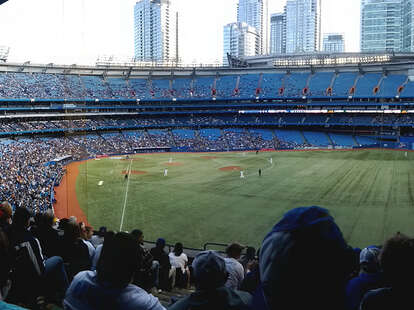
366	84
366	140
390	84
319	83
266	85
271	84
316	138
294	84
342	140
210	134
408	90
290	136
343	83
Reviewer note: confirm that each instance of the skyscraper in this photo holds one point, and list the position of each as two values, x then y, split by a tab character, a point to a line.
333	43
255	13
303	27
381	25
154	30
277	34
240	40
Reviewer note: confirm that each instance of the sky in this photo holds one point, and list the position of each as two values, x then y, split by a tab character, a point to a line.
79	31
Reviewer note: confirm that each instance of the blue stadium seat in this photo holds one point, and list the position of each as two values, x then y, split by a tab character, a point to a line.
271	84
226	85
290	136
342	140
319	83
390	84
343	83
317	138
366	84
294	84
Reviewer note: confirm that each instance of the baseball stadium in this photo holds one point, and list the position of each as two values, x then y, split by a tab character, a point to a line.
208	156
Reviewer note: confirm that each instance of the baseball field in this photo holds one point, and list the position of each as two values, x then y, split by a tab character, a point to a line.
200	197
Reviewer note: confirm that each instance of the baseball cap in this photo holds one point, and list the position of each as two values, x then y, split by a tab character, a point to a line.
209	269
369	255
369	258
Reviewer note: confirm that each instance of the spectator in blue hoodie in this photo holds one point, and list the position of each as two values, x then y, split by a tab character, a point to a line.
370	277
304	263
110	286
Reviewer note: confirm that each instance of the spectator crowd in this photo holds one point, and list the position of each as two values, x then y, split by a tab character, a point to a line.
303	263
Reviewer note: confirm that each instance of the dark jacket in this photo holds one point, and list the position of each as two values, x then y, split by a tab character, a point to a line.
75	255
27	266
221	298
49	240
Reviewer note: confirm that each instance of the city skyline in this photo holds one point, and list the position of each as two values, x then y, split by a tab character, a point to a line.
78	31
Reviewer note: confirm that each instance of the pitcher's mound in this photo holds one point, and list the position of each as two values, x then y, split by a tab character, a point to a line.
134	172
231	168
209	157
174	164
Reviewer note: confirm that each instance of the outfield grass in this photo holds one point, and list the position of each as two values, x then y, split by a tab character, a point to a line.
370	194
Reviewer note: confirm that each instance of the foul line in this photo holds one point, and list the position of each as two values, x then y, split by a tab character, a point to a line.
126	196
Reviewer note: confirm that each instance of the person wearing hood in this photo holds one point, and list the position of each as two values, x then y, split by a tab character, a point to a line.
304	263
211	293
110	286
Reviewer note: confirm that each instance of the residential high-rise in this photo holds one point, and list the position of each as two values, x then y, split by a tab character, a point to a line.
334	43
277	34
303	26
240	40
381	26
154	30
255	13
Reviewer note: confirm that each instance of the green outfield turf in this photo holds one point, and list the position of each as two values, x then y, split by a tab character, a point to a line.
369	193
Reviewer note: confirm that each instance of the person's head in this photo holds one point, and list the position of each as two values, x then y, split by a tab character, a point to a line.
88	232
6	212
102	231
21	218
209	270
119	260
62	223
138	235
160	243
178	249
72	231
396	260
369	260
47	219
250	252
234	250
304	261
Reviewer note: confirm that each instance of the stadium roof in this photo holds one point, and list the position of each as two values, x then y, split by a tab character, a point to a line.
322	59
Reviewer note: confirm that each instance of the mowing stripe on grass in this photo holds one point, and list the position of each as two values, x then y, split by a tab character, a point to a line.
126	196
